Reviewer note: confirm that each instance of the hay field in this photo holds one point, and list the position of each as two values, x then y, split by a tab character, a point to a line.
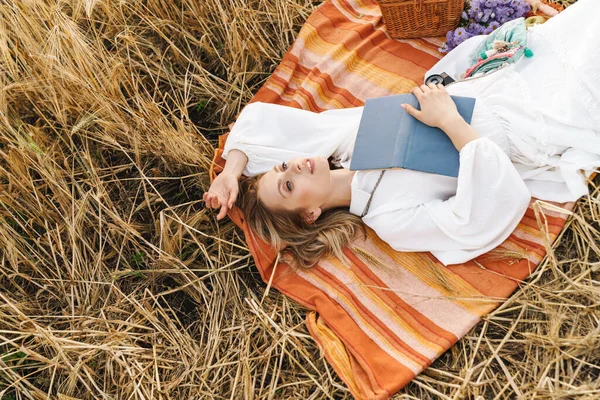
117	284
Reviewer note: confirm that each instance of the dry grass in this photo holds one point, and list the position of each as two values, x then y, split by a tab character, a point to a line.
117	284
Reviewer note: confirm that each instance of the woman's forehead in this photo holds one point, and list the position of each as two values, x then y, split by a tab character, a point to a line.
267	189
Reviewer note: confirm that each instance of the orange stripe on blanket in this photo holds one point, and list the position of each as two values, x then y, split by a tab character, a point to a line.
357	7
360	380
312	95
334	349
418	321
320	91
289	77
515	248
497	275
353	14
429	302
360	76
449	285
366	293
530	223
374	47
380	335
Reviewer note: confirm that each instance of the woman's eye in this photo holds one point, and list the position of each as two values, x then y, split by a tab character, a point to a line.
288	185
284	166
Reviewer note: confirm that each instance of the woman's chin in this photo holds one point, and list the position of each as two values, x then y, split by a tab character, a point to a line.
321	164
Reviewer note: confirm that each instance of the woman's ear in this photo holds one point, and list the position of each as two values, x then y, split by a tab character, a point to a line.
288	258
311	216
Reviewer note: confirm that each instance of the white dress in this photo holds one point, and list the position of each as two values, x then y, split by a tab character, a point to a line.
548	106
538	128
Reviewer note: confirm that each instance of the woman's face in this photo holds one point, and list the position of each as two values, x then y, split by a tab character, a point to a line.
301	185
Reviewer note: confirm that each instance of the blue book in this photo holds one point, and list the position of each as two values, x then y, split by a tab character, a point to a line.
389	137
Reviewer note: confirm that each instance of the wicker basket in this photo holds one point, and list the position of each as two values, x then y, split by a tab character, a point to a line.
420	18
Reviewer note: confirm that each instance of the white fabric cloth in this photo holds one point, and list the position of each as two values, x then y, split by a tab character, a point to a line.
539	112
548	106
456	219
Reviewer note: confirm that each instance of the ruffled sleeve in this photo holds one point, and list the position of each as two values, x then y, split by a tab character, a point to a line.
490	200
269	134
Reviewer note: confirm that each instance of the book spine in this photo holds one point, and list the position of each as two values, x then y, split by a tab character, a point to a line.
406	130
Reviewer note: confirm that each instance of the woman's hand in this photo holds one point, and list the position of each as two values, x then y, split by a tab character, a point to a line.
224	189
222	193
437	108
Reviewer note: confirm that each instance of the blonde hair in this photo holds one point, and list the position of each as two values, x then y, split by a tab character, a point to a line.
287	231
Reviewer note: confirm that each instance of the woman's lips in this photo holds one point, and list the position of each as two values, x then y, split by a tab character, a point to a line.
311	166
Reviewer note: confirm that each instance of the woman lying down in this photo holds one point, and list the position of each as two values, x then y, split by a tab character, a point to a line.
535	131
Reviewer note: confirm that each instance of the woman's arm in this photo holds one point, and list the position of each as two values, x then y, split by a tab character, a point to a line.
490	200
459	132
265	135
224	189
269	134
438	110
235	163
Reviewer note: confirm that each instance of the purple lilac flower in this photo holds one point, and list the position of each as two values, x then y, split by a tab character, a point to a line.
475	29
523	9
460	35
449	45
450	39
505	14
459	32
504	11
483	17
474	10
486	15
494	25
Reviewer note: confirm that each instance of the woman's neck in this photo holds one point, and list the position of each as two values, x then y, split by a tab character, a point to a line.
341	192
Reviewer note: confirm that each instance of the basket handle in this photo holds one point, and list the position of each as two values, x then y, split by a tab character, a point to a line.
420	5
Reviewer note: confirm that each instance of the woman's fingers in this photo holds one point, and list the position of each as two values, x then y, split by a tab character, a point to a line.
208	199
211	200
435	104
222	194
216	203
232	196
426	88
223	212
412	111
417	92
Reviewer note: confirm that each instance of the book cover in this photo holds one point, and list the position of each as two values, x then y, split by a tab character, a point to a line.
389	137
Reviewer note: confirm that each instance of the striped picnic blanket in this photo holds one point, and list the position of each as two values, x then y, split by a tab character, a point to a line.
389	315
